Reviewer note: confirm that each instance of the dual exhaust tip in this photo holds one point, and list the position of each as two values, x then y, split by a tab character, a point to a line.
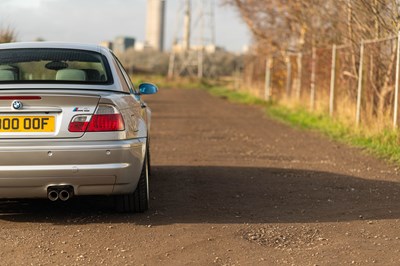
60	193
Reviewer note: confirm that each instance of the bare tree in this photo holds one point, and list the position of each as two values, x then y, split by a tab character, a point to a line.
7	35
282	26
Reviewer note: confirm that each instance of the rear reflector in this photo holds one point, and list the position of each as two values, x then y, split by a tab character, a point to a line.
106	118
79	123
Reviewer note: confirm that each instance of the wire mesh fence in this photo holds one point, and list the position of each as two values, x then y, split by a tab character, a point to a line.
378	81
358	83
343	82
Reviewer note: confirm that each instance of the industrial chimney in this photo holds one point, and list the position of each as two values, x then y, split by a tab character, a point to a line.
155	24
186	25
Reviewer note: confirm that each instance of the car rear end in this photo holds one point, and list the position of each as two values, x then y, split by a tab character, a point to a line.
68	127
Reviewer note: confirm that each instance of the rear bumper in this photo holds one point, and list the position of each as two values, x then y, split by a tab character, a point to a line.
27	169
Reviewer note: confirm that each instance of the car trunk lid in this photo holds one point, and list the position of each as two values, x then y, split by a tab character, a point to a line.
43	115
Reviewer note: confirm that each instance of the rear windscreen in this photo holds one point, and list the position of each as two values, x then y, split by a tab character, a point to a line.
53	66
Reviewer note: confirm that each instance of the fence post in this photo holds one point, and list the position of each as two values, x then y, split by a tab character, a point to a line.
200	62
396	92
360	80
333	78
288	76
299	74
268	65
313	67
171	65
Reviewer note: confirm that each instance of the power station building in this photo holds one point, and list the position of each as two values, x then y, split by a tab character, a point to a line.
122	43
155	23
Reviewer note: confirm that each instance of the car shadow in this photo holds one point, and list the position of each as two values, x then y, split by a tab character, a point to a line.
208	194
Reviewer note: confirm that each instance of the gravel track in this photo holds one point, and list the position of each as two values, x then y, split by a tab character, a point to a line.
229	187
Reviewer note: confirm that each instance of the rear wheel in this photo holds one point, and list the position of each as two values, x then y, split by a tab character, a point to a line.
148	157
138	201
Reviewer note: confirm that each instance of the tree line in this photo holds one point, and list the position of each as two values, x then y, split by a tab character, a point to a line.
295	25
7	34
281	28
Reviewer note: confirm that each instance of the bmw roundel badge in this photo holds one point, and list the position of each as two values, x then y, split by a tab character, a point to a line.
17	105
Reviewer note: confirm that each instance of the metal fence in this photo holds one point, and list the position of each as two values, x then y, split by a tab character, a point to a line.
356	82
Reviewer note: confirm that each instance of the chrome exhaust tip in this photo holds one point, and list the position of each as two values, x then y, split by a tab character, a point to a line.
64	195
52	195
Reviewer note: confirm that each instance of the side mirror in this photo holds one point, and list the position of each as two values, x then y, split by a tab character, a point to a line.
148	88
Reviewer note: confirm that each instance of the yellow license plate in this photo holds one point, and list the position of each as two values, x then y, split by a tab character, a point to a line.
10	124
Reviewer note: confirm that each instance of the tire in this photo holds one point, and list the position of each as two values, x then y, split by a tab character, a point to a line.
148	158
138	201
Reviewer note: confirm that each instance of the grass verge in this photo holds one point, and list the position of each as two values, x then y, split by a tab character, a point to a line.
384	144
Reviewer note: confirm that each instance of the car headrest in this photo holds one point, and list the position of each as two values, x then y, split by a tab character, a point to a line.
92	74
71	75
6	67
6	75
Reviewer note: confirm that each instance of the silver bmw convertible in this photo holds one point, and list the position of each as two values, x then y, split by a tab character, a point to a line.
72	124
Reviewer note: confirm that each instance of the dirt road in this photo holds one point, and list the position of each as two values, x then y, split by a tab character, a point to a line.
229	187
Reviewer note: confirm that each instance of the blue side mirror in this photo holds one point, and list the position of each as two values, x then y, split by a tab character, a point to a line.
148	88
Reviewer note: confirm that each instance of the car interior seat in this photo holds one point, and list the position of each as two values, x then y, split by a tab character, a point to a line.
13	69
6	75
71	75
92	74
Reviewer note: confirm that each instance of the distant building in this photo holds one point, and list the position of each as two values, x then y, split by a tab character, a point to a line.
212	48
209	49
246	49
107	44
155	23
122	43
141	46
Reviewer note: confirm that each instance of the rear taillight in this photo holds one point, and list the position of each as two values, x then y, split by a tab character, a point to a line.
79	123
109	122
106	118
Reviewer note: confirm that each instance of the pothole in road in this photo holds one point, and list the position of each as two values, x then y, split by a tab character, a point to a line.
284	237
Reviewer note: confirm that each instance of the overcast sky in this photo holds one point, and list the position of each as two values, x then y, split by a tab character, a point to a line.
93	21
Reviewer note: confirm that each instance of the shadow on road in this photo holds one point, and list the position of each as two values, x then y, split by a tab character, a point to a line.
189	194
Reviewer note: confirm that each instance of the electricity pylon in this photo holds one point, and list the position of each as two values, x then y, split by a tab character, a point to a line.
189	53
